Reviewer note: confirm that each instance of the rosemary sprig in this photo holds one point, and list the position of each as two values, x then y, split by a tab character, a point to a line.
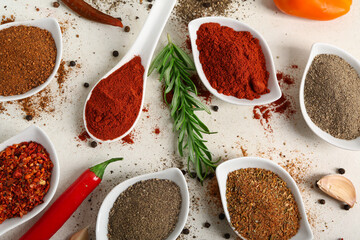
175	67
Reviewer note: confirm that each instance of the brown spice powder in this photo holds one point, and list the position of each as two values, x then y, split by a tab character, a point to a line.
260	204
27	58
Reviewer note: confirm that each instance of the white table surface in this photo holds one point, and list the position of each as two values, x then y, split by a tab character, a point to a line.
290	40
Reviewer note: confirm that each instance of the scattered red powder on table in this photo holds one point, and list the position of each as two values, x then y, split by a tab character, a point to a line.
84	136
281	106
128	139
157	131
145	109
294	66
115	102
233	62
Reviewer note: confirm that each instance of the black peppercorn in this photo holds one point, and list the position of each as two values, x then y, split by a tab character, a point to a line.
347	207
29	117
115	53
322	201
207	225
185	231
226	235
341	170
150	6
93	144
72	63
206	5
86	85
215	108
56	4
221	216
127	29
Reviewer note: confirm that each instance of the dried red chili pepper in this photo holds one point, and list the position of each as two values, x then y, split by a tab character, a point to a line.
25	172
67	203
87	11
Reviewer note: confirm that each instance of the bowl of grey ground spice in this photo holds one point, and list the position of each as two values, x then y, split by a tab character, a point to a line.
330	96
30	55
261	200
147	207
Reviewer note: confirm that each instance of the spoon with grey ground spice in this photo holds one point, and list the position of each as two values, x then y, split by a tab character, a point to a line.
147	210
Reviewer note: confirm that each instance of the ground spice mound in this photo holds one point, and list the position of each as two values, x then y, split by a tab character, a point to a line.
261	206
332	96
147	210
25	173
27	59
188	10
115	102
233	62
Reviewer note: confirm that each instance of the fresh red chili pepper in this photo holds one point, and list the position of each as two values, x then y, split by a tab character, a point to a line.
67	203
87	11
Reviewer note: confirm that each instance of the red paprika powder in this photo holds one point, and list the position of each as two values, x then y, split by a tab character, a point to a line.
115	102
233	62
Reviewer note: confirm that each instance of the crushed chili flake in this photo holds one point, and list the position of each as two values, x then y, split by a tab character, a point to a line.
25	172
260	204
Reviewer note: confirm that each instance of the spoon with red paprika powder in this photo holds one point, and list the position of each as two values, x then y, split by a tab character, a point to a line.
113	106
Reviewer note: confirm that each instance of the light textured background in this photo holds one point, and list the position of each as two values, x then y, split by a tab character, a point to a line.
290	40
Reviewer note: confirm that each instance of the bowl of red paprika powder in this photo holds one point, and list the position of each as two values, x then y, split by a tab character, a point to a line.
37	137
233	61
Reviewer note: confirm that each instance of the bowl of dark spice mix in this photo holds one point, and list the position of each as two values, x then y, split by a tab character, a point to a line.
330	96
147	207
261	200
233	61
30	55
29	176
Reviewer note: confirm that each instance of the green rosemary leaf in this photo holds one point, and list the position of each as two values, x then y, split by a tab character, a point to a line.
175	68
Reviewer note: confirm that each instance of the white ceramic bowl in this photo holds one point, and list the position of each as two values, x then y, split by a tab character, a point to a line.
273	85
172	174
35	134
53	27
225	168
322	48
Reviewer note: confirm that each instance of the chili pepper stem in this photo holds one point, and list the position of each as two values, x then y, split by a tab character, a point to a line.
99	169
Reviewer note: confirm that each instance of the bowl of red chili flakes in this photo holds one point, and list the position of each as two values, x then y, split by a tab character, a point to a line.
29	176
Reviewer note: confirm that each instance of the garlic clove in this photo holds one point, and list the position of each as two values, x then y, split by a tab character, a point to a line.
83	234
338	187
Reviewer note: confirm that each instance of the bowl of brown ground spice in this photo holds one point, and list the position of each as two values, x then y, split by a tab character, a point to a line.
261	200
330	96
146	207
30	55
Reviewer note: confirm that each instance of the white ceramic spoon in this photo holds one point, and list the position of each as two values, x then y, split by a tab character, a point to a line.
53	27
144	46
273	85
172	174
322	48
225	168
35	134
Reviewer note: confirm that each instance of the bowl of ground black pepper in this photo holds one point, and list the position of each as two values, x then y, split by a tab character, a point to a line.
30	55
147	207
261	200
330	96
32	168
233	61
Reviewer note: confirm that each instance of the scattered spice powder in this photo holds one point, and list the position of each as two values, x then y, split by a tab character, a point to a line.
157	131
233	62
260	204
21	67
40	102
284	105
146	210
115	102
128	139
25	173
5	19
83	136
332	96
